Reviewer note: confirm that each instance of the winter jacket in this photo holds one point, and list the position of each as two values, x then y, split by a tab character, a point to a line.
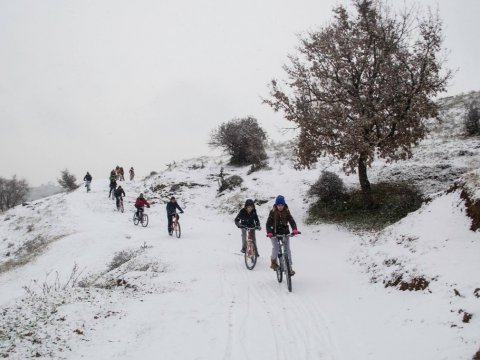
141	202
244	218
172	206
87	177
277	222
119	192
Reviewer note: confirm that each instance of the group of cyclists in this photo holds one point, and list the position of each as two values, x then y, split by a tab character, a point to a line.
117	192
278	222
172	207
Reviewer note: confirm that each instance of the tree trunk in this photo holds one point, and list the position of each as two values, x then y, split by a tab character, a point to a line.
364	183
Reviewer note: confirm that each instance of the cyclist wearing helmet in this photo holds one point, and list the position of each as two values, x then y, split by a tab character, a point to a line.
139	204
247	217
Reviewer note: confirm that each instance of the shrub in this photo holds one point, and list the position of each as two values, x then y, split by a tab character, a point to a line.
230	183
243	139
329	188
391	202
120	258
12	192
472	118
68	181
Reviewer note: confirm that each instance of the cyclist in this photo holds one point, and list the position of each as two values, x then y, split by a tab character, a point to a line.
118	194
88	179
247	217
172	207
122	178
132	173
113	184
140	203
277	224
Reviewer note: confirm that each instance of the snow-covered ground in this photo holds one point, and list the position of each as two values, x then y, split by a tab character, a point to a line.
193	298
78	280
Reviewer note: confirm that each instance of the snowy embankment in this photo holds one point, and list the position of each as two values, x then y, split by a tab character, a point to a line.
140	294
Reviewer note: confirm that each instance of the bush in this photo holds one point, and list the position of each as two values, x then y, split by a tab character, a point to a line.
391	202
329	188
12	192
120	258
68	181
243	139
230	183
472	118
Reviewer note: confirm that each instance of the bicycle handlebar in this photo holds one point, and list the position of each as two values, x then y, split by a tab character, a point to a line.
286	235
249	228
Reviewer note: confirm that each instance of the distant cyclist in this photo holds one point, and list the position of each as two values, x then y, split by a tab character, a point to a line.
172	207
247	217
118	194
88	179
132	173
277	224
113	184
140	203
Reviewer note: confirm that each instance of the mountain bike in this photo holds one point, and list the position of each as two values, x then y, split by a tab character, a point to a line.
283	261
120	204
251	252
176	226
143	219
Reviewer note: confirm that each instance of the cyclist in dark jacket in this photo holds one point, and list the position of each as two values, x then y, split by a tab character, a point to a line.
247	217
88	179
118	194
277	224
172	207
113	184
139	204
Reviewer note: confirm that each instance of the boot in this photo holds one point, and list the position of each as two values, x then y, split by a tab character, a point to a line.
274	265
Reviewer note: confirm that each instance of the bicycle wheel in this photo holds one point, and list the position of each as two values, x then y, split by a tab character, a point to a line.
279	269
144	220
250	256
135	219
288	273
178	230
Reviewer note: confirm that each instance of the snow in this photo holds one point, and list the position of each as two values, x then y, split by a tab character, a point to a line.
79	281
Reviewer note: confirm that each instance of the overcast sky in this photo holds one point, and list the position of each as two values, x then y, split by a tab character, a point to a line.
87	85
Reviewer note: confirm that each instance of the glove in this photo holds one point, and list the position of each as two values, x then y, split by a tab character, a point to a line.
258	228
295	232
181	212
238	225
269	235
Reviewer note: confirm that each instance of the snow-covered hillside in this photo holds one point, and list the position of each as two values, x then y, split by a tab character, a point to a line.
78	280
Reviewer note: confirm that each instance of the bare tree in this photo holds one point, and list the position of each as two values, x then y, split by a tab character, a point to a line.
243	139
68	181
12	192
362	85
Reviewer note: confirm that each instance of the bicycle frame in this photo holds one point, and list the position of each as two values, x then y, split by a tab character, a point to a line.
176	225
251	249
283	261
120	204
